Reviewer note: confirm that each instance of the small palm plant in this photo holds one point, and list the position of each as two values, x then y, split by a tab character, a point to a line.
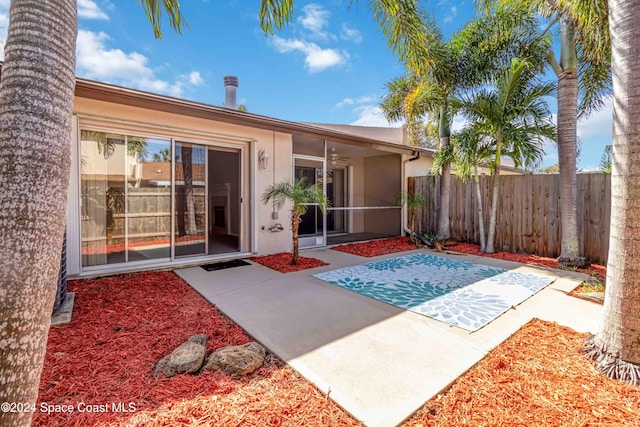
300	195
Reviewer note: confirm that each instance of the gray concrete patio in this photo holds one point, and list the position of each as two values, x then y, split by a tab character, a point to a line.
378	362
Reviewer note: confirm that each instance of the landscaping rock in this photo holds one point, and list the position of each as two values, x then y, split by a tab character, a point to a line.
237	359
188	358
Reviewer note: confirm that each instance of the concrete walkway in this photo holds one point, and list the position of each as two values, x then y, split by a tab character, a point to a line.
378	362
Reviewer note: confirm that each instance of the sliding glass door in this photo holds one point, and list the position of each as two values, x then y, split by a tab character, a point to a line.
224	200
125	198
150	199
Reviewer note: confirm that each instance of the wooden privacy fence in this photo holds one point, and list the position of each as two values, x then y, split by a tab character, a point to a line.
528	218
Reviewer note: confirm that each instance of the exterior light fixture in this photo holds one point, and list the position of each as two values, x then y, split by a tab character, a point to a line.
264	157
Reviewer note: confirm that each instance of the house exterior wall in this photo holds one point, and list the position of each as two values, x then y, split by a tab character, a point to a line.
420	167
279	146
100	115
372	181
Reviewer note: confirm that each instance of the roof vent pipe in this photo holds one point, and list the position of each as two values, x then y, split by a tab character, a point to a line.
230	85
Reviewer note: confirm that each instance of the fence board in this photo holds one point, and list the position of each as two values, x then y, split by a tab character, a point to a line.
528	218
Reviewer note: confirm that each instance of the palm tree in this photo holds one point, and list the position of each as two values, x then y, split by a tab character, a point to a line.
512	117
616	346
300	196
410	98
36	99
467	153
34	155
583	70
483	46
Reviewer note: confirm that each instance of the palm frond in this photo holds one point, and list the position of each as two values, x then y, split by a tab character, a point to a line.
393	103
410	34
275	14
595	82
298	193
154	11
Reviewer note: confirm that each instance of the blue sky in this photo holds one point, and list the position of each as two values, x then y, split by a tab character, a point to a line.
330	65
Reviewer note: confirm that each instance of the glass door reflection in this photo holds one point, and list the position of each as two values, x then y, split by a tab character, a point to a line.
190	200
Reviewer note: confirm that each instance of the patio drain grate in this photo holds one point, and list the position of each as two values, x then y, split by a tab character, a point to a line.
225	265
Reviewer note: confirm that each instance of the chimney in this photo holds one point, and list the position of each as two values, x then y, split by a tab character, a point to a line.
230	85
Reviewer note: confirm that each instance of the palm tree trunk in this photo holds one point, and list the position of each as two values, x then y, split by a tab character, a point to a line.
36	100
187	173
295	225
443	230
483	244
494	203
568	148
616	346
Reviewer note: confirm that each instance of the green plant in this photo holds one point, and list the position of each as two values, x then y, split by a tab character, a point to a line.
300	195
594	283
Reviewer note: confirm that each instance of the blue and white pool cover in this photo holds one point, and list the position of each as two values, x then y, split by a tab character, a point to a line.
460	293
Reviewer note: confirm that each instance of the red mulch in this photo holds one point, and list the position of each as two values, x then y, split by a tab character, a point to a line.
538	377
282	262
468	248
122	325
377	247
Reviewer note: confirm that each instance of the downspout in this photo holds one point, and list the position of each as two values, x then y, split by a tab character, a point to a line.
416	156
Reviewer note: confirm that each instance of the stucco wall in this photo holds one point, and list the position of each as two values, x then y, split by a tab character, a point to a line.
279	146
418	167
110	116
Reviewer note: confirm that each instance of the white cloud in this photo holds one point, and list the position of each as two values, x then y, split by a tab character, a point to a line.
351	34
366	99
96	61
345	102
90	10
371	115
453	12
316	58
195	78
315	19
367	111
599	125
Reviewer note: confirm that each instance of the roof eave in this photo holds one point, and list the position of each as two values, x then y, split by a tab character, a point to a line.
136	98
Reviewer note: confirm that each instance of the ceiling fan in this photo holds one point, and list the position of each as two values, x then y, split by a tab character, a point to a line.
334	157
